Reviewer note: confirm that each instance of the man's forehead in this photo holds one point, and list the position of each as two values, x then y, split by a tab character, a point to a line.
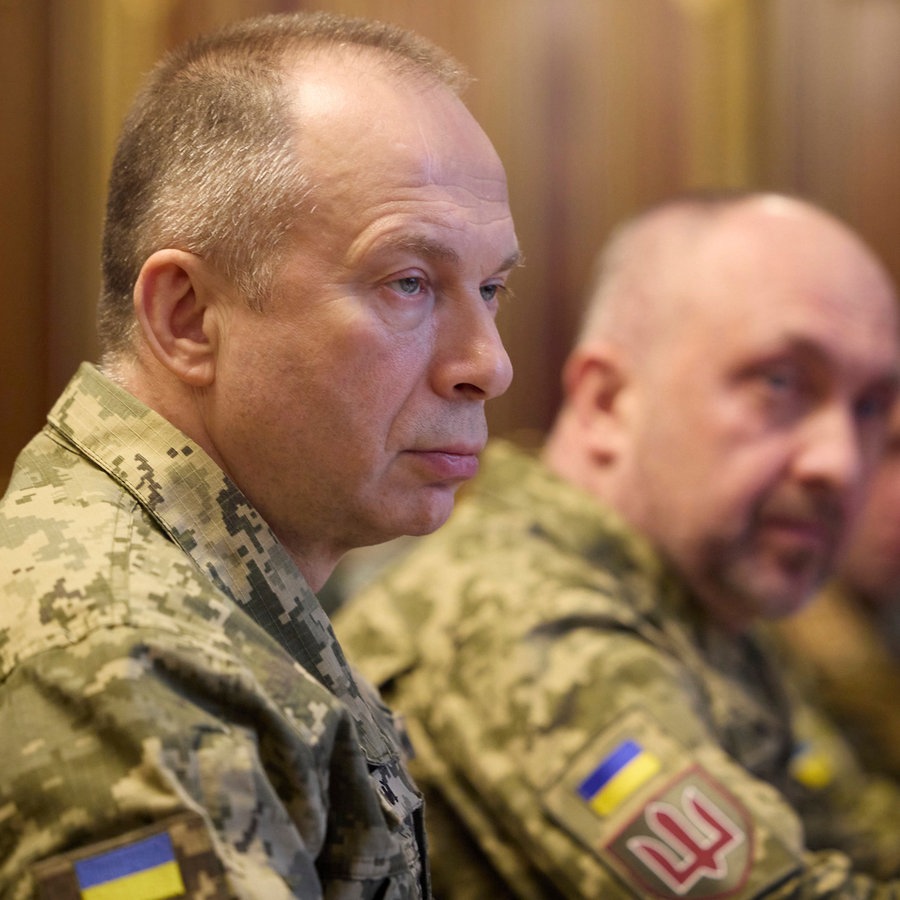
359	119
772	271
328	80
428	246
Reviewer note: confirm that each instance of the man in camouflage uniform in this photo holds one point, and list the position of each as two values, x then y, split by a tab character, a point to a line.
591	714
306	237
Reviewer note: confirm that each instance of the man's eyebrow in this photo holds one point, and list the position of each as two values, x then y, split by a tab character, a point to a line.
812	353
815	353
514	260
420	245
429	248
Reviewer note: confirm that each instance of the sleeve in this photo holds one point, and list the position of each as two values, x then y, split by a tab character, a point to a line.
579	756
143	757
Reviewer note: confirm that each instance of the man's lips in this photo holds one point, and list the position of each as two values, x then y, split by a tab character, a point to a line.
454	463
802	532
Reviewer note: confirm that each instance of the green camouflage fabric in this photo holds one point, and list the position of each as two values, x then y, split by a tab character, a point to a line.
169	676
581	732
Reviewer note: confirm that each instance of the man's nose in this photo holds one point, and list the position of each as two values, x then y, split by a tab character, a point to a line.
473	360
831	451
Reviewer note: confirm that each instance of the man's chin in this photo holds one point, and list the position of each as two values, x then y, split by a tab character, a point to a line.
787	593
758	591
429	524
429	518
788	577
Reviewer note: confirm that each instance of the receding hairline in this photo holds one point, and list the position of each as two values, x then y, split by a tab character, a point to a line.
281	38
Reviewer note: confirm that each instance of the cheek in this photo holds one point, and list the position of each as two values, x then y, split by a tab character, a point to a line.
886	486
385	370
879	514
266	378
742	457
255	354
737	487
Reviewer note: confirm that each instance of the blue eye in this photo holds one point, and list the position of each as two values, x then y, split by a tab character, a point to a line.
410	286
876	406
490	292
783	390
781	380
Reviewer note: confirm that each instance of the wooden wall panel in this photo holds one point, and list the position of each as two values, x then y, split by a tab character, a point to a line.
24	203
873	151
831	117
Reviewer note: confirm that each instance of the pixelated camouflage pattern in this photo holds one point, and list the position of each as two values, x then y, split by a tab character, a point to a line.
198	866
161	654
524	641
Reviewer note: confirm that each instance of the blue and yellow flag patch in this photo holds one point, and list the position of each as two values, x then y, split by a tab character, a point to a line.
145	870
618	776
811	766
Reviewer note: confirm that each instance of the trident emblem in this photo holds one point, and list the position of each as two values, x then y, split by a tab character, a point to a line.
691	843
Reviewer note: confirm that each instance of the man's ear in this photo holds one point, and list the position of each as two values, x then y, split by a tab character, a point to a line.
595	381
173	300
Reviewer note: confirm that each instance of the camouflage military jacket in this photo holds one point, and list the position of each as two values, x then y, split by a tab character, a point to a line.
580	732
176	716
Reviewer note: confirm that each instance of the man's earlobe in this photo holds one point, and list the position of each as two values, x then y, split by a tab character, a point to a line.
172	306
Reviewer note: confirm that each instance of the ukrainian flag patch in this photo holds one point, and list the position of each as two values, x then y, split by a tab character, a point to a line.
144	870
811	766
620	773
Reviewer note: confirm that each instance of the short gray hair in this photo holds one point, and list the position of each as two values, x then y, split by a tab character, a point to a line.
206	161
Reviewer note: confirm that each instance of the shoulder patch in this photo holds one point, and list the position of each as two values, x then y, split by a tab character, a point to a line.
691	839
667	824
812	766
173	858
620	773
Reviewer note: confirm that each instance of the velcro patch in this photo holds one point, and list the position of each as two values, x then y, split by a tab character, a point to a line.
173	858
618	775
812	766
692	839
667	821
